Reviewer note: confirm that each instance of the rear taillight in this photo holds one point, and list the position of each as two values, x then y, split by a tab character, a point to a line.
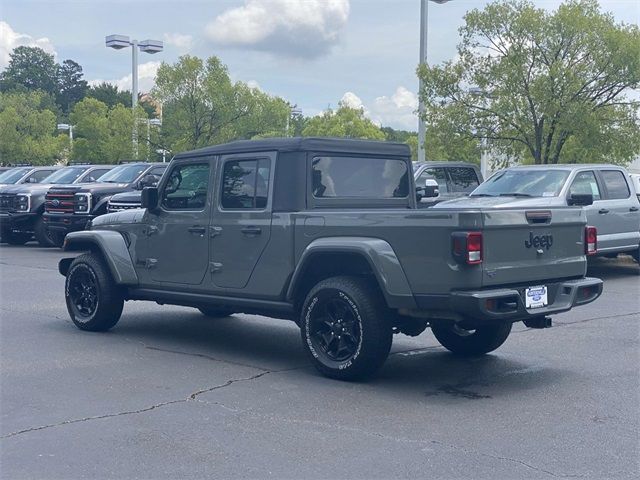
467	247
590	240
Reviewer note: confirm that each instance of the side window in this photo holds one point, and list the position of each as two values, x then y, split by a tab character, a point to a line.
187	187
94	175
245	184
438	174
463	179
585	183
616	184
37	177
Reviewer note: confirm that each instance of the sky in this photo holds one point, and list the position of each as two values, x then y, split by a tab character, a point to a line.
313	53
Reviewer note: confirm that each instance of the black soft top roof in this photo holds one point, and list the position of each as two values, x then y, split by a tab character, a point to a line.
320	144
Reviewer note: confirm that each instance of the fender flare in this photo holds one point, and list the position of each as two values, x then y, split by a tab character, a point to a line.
113	247
377	252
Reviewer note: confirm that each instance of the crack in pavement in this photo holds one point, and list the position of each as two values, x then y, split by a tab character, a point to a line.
566	324
198	355
51	315
28	266
189	398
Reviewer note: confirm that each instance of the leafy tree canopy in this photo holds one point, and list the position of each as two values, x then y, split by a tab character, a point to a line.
343	122
542	87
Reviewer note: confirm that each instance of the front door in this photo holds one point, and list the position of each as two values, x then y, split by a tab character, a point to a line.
178	233
622	218
241	225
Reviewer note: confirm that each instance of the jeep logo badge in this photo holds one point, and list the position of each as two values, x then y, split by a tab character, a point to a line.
539	241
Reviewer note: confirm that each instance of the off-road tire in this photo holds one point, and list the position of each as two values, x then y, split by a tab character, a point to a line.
16	238
214	312
43	236
90	272
364	311
476	342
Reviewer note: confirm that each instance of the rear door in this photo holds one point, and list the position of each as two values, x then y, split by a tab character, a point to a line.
620	211
178	247
241	225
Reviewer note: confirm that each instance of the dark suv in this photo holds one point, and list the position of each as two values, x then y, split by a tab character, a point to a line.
21	206
70	208
455	179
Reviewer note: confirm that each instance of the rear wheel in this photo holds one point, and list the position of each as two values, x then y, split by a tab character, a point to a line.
465	342
94	300
214	312
43	236
57	239
345	328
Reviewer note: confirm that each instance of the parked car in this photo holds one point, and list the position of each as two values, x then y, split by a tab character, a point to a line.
4	169
455	180
70	208
326	232
21	206
28	174
615	210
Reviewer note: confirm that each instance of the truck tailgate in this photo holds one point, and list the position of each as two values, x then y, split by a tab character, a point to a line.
529	245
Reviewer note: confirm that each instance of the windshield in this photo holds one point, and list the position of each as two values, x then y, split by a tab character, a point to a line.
65	176
123	174
13	175
525	183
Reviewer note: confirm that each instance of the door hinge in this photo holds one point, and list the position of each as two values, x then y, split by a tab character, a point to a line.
150	230
215	267
215	231
150	263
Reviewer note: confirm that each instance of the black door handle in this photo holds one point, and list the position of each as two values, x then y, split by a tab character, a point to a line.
251	230
603	210
633	209
198	230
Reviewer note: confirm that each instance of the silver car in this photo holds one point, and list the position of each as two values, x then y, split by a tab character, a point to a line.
615	210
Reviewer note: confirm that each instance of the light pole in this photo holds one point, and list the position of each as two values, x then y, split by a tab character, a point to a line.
424	16
118	42
67	126
484	167
150	121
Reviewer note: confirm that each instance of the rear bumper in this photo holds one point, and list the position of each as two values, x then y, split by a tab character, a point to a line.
507	304
66	223
18	221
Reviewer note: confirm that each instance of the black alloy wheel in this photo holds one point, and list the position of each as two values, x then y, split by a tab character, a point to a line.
335	329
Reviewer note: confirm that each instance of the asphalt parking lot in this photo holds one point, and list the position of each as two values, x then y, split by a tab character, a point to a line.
169	393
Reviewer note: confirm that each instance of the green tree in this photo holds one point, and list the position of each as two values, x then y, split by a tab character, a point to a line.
343	122
109	94
547	87
30	68
403	136
71	86
27	129
202	106
105	135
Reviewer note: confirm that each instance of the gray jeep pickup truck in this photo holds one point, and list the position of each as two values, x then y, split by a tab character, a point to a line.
326	232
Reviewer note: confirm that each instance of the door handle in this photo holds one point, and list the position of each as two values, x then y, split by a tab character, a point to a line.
198	230
251	230
633	209
603	211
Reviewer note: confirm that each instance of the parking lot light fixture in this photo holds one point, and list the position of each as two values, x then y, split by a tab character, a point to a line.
424	15
67	126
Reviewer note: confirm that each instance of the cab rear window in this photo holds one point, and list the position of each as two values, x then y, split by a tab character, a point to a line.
359	177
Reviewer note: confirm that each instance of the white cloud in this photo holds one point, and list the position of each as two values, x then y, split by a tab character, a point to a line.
397	111
146	78
302	29
10	39
178	40
254	85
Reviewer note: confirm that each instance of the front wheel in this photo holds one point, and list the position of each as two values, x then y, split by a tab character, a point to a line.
43	236
465	342
94	300
345	329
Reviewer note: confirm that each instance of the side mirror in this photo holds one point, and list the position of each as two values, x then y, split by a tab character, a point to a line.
149	198
149	180
580	199
431	189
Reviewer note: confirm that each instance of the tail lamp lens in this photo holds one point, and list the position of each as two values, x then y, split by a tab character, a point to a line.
591	240
467	247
